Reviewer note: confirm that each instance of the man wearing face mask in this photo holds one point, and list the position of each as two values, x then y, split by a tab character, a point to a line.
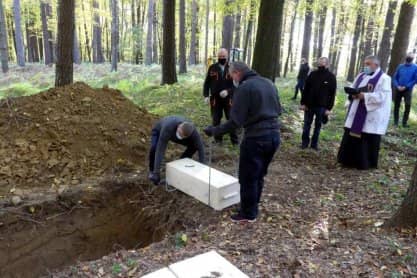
403	82
317	100
218	92
368	116
256	108
178	130
301	77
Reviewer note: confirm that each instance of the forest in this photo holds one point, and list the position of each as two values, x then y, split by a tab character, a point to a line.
84	82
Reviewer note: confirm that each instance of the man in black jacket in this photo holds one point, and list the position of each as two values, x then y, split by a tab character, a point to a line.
301	77
218	91
256	108
317	100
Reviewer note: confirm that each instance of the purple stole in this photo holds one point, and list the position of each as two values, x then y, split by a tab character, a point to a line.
360	115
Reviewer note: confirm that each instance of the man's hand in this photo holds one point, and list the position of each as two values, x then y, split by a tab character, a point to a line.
155	178
401	88
360	96
209	131
207	100
327	112
303	107
224	93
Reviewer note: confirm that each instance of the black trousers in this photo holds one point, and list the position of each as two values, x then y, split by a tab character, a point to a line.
220	106
398	96
361	153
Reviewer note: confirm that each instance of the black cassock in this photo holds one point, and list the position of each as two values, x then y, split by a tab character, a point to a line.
361	153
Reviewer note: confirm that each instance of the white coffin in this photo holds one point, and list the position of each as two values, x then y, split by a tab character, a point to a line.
193	178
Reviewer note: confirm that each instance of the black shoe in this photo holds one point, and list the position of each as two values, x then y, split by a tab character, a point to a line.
315	148
325	119
238	218
303	147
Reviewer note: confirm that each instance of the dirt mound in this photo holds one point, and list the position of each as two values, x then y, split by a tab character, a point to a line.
65	135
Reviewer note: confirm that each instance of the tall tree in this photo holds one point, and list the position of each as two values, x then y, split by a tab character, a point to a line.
4	55
169	74
291	38
228	22
114	34
65	43
249	30
86	35
193	43
308	20
18	36
385	45
149	34
47	51
76	49
182	43
370	32
267	37
321	29
207	31
402	35
97	42
354	50
238	30
155	35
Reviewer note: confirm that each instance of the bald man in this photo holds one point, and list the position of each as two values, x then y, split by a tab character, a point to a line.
218	92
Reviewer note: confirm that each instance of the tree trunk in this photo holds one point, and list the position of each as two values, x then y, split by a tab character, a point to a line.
65	43
47	53
97	44
332	48
182	45
370	32
267	37
87	38
385	45
281	12
214	29
227	30
249	30
149	34
114	34
322	25
406	215
20	48
354	50
76	50
155	58
207	31
4	55
305	52
169	74
193	43
402	36
238	30
291	38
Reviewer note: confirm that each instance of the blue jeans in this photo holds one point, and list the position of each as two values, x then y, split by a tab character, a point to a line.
256	154
309	115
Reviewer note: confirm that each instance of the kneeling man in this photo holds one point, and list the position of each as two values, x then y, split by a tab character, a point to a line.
178	130
368	117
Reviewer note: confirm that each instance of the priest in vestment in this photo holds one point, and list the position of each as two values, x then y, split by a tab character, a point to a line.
367	117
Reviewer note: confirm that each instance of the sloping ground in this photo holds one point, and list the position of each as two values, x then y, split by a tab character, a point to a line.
63	136
317	220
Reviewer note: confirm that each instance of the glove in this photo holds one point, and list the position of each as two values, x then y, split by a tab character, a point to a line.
224	94
209	131
154	178
207	100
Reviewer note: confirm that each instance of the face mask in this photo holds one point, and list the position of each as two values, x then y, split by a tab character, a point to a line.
222	61
367	70
235	83
178	135
409	60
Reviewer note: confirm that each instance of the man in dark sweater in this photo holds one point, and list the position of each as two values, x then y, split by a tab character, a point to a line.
178	130
301	77
218	91
256	108
317	100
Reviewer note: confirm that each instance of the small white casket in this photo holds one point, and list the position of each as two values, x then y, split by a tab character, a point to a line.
208	185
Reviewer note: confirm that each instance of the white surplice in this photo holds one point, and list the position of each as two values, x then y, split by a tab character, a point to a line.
378	105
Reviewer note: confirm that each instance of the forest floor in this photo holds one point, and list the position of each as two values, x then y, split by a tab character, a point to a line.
317	219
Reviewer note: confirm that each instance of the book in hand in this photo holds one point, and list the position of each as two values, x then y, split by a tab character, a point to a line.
355	91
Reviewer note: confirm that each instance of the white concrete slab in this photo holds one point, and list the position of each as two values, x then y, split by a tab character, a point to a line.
208	185
209	264
162	273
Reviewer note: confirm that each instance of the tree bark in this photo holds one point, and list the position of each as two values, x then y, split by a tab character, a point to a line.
332	48
182	44
291	38
370	32
114	34
4	51
322	25
20	48
402	36
97	43
87	38
169	74
354	50
65	43
385	45
76	50
227	30
249	30
207	31
193	43
238	30
267	37
308	20
155	58
149	34
47	53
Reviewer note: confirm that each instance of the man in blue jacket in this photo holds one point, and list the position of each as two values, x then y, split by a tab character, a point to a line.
403	81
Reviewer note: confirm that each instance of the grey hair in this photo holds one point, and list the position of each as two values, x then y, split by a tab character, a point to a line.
187	129
374	59
325	59
239	67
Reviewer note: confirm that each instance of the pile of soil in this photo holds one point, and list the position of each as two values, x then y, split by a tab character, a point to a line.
66	135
